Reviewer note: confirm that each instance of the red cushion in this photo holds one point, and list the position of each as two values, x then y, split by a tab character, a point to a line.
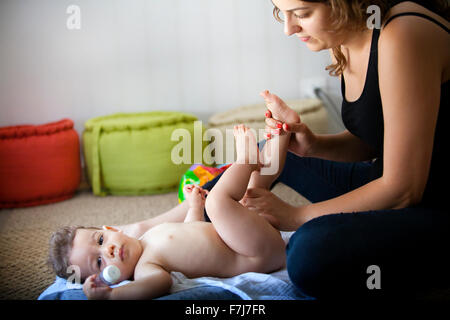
38	164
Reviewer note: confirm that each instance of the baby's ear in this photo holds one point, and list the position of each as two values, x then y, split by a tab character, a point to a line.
111	229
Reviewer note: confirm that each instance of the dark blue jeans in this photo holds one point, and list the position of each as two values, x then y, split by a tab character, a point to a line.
388	253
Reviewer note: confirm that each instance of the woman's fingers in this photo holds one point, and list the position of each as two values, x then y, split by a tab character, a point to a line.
275	124
256	192
271	219
272	132
272	124
273	127
293	127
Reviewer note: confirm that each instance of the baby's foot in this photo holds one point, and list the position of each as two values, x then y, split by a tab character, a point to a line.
246	146
195	196
280	111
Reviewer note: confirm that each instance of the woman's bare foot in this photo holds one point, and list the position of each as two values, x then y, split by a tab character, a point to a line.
195	196
246	147
280	111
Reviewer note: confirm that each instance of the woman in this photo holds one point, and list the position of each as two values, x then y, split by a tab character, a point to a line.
389	213
377	224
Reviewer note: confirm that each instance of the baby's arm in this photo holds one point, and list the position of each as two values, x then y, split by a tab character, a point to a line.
155	283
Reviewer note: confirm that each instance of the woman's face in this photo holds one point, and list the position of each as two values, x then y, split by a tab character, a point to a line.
310	22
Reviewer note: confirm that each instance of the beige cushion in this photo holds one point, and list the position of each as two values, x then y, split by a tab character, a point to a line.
311	111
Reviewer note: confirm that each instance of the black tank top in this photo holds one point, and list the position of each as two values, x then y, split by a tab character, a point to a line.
364	119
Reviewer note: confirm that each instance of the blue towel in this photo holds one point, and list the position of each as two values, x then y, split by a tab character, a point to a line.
246	286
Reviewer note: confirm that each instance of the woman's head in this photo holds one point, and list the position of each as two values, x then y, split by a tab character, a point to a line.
328	24
310	21
325	24
342	15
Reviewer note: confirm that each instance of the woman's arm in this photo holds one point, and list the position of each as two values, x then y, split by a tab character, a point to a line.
411	64
344	147
376	195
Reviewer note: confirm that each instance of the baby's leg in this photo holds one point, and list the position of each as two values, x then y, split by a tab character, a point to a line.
241	229
195	196
273	154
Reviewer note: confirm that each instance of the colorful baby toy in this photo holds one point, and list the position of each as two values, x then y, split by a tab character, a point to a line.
199	174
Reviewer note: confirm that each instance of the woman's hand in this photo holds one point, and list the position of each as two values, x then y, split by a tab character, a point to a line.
278	213
302	138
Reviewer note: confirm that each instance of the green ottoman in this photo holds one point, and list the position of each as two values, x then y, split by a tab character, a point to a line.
131	154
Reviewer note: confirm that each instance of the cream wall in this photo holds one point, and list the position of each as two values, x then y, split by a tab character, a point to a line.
198	56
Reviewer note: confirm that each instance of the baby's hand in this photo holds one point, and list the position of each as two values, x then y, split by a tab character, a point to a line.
95	292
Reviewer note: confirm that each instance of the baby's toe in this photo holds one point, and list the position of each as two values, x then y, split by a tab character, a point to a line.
198	190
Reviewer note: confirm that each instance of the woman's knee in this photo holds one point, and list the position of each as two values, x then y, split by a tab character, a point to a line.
304	259
314	254
329	256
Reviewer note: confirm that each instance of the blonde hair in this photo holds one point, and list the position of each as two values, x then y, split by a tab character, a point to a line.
61	243
351	15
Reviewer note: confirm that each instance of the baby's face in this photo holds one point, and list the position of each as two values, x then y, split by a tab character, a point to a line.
93	250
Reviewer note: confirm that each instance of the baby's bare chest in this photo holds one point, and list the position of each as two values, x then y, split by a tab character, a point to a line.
192	248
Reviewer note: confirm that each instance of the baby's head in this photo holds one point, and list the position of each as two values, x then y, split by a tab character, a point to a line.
92	249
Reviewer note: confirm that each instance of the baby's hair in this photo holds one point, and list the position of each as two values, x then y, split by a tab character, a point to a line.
61	243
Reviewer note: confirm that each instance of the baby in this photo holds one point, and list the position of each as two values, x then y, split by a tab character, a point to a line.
237	240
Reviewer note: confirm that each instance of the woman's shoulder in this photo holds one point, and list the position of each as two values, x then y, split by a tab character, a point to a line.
416	36
410	6
412	26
